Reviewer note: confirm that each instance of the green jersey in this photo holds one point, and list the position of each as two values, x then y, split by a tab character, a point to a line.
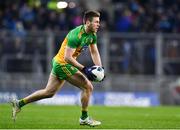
77	39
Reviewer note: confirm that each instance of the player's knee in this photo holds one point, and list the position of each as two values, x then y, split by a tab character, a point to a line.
88	86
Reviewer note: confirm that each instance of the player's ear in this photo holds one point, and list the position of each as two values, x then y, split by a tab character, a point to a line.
88	22
84	22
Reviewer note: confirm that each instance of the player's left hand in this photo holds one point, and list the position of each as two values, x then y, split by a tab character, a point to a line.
88	73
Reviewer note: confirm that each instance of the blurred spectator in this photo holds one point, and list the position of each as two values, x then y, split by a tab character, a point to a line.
26	15
127	54
62	23
127	16
124	21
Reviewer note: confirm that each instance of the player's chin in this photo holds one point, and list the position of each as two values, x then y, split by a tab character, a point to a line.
95	30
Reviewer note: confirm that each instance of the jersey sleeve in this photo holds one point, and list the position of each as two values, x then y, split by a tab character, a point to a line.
72	40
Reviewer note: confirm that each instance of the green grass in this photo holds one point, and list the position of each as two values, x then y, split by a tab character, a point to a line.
66	117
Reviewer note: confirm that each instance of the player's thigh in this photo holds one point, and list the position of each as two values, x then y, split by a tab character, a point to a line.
54	83
79	80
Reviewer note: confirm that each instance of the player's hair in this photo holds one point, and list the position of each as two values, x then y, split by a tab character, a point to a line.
88	15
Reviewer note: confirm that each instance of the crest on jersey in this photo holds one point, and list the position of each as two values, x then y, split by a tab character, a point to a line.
88	40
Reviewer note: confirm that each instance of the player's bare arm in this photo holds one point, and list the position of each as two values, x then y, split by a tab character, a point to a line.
69	58
95	54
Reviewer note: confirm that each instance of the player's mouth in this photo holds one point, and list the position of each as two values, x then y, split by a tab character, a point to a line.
96	29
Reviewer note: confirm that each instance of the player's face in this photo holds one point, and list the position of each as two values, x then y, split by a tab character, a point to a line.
94	24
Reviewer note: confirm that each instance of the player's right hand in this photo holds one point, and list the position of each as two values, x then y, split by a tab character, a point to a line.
88	73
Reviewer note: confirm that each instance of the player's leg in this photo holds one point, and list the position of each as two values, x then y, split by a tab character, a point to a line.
53	85
80	81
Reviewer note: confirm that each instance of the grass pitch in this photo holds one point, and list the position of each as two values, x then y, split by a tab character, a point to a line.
67	117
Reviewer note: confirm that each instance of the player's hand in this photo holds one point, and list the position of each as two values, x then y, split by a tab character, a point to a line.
88	73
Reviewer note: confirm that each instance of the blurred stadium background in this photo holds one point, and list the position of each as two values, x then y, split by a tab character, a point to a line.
139	43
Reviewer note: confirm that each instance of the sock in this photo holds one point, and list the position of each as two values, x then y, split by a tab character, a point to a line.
21	103
84	115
